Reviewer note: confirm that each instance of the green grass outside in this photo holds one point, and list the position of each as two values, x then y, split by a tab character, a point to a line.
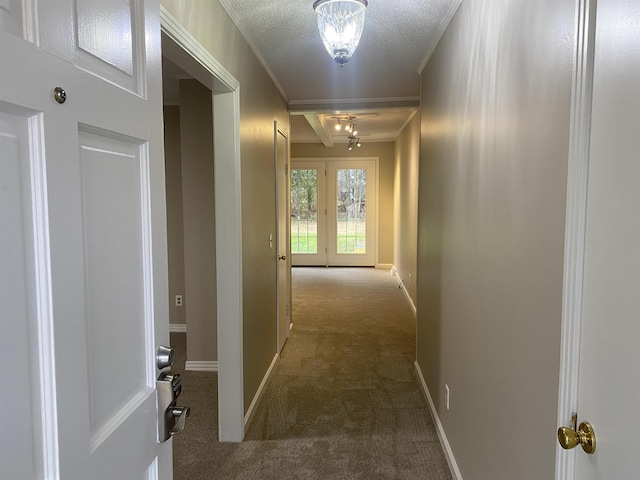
351	237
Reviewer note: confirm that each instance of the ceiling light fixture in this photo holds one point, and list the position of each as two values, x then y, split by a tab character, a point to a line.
340	23
353	142
351	127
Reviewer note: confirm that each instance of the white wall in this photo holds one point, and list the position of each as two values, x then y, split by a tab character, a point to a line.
493	172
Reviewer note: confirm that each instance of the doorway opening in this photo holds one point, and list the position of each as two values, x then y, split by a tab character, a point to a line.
334	212
181	48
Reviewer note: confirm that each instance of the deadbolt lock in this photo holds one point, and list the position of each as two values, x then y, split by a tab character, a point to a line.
584	436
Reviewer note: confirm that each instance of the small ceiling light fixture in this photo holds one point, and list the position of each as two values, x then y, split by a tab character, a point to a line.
349	122
353	142
340	23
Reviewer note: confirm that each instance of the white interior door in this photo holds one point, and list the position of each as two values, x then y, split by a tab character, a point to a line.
609	385
83	243
351	212
284	270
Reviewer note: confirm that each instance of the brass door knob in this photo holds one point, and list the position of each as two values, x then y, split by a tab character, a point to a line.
282	257
585	437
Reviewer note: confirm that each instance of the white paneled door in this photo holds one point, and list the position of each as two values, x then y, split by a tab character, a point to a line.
82	239
284	268
609	385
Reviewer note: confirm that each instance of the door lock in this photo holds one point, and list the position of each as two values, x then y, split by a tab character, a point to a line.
171	418
584	436
164	357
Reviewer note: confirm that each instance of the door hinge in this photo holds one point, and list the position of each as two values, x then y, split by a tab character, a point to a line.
286	169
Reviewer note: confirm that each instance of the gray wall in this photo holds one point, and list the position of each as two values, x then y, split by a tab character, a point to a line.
494	144
405	205
260	104
384	151
196	132
175	228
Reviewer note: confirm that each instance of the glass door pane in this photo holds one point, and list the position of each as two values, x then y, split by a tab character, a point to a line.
351	204
304	211
308	231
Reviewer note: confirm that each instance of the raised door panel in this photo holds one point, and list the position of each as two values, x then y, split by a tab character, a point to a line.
103	37
22	400
13	19
118	289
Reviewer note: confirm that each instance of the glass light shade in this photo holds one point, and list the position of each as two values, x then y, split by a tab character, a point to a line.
340	23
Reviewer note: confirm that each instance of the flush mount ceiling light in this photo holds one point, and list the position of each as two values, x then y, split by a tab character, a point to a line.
340	23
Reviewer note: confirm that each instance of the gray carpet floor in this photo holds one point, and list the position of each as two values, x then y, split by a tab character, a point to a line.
342	402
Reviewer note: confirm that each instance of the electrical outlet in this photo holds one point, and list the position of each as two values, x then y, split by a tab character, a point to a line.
178	300
446	396
410	278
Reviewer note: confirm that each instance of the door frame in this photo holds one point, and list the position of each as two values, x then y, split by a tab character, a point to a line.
575	227
286	242
186	52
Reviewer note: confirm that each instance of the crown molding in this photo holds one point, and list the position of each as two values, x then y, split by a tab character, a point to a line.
300	107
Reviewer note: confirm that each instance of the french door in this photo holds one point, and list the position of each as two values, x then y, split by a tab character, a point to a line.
333	212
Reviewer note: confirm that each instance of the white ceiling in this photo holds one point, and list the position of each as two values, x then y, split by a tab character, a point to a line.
381	78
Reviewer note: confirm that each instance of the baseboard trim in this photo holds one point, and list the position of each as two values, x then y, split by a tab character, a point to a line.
256	398
386	266
201	366
448	453
177	328
411	304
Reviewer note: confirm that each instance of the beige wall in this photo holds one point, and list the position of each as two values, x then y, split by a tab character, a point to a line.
260	104
196	134
493	172
385	152
175	229
405	205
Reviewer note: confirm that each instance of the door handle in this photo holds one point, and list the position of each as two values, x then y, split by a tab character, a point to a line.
181	413
282	257
584	436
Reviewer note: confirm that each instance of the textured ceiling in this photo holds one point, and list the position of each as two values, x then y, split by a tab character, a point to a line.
397	36
380	84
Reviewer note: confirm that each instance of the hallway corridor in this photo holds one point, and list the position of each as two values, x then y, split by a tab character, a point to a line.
342	402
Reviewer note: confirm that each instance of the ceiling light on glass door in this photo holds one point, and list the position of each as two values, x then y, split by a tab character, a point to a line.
340	23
